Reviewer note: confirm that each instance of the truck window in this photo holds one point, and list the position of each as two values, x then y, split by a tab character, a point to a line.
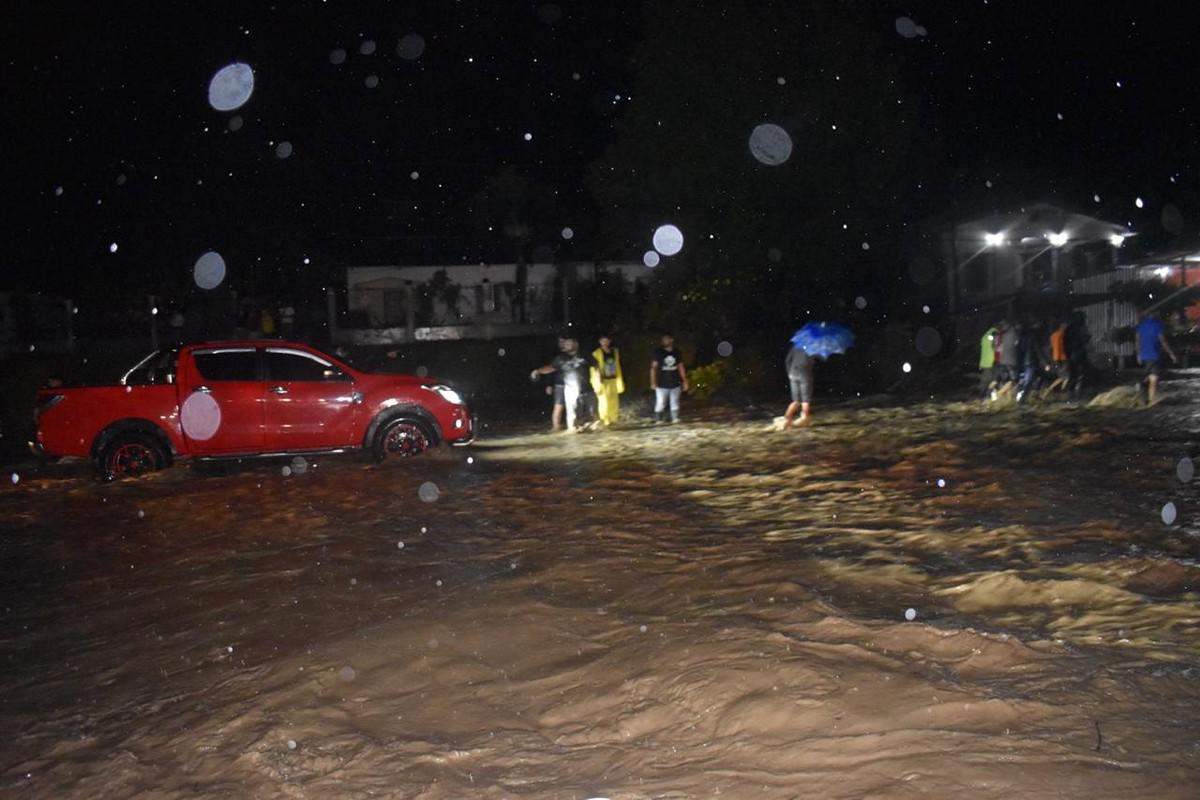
291	365
157	368
227	365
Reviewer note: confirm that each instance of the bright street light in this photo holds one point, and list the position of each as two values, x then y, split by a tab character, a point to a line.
1117	239
993	239
1057	239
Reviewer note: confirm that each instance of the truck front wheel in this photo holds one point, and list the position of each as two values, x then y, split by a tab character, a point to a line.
130	455
403	437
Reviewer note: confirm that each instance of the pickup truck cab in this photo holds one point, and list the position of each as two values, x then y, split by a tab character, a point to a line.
237	399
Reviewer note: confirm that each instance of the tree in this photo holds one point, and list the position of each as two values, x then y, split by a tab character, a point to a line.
763	242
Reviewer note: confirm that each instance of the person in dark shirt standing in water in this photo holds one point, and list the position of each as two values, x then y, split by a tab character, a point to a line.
799	370
1150	341
668	379
573	368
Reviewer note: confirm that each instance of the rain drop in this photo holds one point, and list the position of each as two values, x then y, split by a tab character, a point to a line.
399	545
286	472
568	234
906	367
924	309
112	248
770	144
209	270
347	674
424	529
414	174
781	80
337	56
299	465
528	137
428	492
291	744
724	349
1185	470
367	47
15	479
941	482
371	81
1139	202
141	514
438	582
910	614
774	255
643	628
283	149
58	190
866	245
235	123
422	371
928	342
650	258
410	46
470	459
860	302
1168	514
907	28
501	352
1095	198
200	416
668	240
231	87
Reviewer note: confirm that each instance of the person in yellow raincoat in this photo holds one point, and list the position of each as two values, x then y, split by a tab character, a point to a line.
607	380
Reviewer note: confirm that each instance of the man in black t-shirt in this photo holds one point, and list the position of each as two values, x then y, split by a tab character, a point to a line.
668	379
571	368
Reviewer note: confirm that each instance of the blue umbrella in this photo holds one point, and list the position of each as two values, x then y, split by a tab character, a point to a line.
823	339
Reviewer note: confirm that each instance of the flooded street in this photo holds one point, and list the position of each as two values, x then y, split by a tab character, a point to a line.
926	601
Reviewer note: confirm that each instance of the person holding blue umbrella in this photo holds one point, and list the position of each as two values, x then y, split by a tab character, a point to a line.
814	340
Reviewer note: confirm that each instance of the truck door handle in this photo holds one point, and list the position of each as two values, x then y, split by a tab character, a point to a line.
202	390
279	390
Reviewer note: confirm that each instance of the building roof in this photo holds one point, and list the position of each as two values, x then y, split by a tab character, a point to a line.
1035	223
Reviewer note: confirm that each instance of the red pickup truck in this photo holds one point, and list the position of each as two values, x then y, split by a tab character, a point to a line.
243	399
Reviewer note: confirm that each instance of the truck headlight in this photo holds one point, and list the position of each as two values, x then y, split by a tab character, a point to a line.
446	393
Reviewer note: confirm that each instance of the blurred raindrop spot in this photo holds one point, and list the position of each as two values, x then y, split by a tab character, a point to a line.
1169	513
283	149
438	582
906	367
236	123
928	342
337	56
367	47
286	471
414	174
200	416
291	744
428	492
15	479
121	179
568	234
501	352
112	248
209	270
141	514
299	465
422	371
58	190
399	545
910	614
528	137
650	258
941	482
1139	202
1172	219
860	302
922	270
775	255
424	529
668	240
643	628
411	46
550	13
371	81
724	349
231	87
347	674
1185	470
908	29
770	144
866	245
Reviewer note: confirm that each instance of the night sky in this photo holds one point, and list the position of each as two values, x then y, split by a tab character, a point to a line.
110	138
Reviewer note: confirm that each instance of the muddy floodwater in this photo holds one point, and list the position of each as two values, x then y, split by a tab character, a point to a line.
931	601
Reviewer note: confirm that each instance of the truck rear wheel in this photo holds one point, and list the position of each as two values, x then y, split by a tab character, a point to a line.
130	455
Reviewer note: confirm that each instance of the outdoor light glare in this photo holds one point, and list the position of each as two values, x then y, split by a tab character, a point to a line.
1117	239
1057	239
994	239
